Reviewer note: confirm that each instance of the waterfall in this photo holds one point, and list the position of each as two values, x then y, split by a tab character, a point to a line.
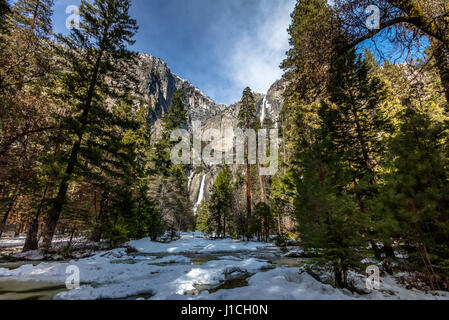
200	195
262	114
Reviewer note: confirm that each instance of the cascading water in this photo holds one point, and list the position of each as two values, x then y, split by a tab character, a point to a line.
262	114
200	195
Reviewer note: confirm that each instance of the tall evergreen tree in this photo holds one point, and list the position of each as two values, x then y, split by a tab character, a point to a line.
248	120
204	221
26	112
25	59
175	118
327	215
147	219
340	170
29	25
168	184
98	65
220	204
356	119
412	207
34	14
313	35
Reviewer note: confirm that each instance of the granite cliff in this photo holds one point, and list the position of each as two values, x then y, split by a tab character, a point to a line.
158	85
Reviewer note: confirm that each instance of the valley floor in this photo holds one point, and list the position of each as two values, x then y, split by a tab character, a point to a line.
190	268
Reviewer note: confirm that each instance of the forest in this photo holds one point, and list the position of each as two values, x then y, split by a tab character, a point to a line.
363	140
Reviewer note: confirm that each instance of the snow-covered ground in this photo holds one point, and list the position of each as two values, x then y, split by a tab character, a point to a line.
10	242
187	269
58	242
195	243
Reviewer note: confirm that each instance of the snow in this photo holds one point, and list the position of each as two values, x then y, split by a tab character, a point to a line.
288	284
279	284
12	242
179	78
201	245
116	274
105	278
295	253
200	195
58	241
35	255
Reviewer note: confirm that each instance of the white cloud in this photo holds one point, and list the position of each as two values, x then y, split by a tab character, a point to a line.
254	57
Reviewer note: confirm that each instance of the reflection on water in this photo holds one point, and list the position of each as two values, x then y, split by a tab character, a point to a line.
29	290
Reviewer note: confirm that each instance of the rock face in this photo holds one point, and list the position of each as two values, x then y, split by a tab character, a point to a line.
158	85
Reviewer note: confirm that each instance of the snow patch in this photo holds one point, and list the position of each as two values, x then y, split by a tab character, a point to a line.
187	243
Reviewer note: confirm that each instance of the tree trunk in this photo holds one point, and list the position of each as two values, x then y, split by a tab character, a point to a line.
284	151
339	279
11	204
261	184
32	241
248	195
441	55
248	183
224	226
98	231
376	250
55	212
71	239
279	224
262	188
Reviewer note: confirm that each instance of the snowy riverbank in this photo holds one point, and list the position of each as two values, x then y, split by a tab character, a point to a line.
192	267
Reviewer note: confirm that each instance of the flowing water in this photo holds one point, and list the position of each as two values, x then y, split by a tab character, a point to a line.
33	290
29	290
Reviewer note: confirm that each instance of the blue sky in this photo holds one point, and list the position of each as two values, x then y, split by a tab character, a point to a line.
220	46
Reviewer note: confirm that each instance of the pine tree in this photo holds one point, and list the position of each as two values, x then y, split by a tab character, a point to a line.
98	65
33	14
175	118
147	219
168	183
313	35
220	204
412	207
327	215
356	120
26	112
339	171
248	120
281	197
23	75
204	222
29	26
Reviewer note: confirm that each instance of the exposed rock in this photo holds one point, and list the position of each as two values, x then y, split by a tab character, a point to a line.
298	253
158	85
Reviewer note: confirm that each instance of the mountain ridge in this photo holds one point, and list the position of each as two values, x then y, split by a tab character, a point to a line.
158	84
